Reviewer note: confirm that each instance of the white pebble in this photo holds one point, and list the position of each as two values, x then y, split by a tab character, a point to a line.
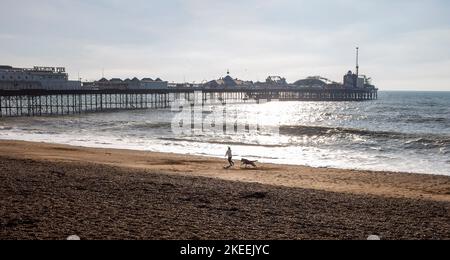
373	238
74	238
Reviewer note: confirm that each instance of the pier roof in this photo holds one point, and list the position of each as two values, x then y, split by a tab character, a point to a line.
147	79
227	81
310	82
116	80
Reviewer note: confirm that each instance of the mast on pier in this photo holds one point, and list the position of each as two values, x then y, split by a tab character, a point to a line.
357	61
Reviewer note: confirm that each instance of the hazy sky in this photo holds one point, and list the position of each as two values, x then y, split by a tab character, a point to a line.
404	43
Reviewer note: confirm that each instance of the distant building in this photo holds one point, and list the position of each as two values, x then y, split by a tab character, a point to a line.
311	82
135	83
114	83
47	78
355	80
148	83
227	82
352	80
276	80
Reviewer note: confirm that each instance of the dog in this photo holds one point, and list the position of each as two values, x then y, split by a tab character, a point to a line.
247	163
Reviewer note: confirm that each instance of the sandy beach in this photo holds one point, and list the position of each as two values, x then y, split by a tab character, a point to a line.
52	191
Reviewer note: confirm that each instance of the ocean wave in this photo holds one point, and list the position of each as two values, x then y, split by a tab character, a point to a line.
331	131
427	120
138	126
429	143
220	142
144	126
409	141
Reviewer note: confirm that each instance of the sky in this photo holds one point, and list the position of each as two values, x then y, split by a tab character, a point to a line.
404	44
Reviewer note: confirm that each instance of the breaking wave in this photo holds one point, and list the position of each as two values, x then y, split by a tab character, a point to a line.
409	141
221	142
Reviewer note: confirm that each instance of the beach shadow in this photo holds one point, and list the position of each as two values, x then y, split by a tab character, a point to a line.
63	149
250	169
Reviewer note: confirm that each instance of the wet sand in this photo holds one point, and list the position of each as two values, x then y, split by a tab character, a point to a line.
52	191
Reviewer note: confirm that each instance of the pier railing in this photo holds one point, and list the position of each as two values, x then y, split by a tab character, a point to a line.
67	102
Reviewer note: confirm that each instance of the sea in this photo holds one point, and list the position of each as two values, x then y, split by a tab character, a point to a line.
399	132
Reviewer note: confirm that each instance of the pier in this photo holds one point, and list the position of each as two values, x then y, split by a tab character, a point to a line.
18	103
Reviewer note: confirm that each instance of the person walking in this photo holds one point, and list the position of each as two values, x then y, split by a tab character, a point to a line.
229	154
